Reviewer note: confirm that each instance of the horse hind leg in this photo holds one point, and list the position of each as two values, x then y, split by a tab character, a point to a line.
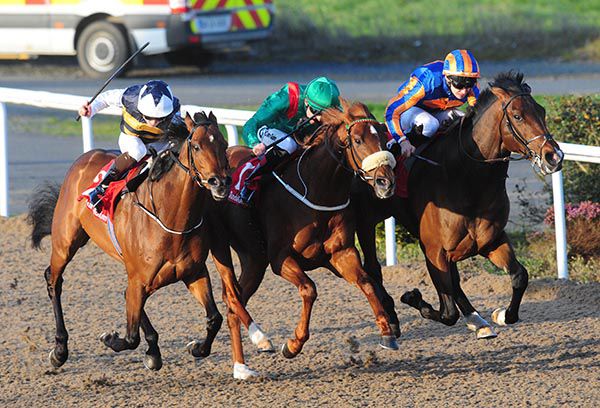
442	280
503	256
63	250
200	287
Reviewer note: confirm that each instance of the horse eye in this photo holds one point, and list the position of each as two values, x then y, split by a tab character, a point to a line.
357	141
517	117
196	147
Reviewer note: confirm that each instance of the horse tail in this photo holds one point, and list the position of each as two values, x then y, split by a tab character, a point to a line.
41	210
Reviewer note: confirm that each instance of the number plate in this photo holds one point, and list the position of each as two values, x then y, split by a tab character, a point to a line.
218	23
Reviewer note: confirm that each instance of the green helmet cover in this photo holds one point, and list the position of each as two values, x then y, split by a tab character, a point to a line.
322	93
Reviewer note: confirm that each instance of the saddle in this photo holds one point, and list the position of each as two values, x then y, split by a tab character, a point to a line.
129	182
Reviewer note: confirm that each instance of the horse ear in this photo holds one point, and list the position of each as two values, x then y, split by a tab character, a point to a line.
212	117
189	122
345	104
500	93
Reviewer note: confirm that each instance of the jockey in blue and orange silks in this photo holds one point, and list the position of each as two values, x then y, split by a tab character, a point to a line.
431	97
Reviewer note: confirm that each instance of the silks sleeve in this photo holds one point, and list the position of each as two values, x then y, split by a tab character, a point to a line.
408	96
272	108
106	99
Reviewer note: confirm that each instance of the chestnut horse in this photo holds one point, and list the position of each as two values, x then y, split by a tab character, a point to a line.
301	220
163	233
460	208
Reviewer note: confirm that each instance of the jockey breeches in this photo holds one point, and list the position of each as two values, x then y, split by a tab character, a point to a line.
269	136
136	147
431	121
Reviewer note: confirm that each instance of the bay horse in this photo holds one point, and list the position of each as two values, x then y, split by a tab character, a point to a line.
459	208
160	246
301	220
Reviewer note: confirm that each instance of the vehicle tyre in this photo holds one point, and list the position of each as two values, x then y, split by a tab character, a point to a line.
102	48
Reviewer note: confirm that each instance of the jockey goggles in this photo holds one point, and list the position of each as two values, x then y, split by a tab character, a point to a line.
462	82
158	120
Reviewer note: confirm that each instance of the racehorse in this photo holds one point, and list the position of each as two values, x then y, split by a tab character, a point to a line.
163	234
459	207
301	220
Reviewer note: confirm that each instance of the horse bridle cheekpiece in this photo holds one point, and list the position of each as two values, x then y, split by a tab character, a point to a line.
359	171
192	170
530	153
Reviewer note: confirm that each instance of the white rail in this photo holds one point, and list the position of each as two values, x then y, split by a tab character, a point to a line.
232	118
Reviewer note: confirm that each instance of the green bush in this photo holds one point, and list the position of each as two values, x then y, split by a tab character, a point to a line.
576	119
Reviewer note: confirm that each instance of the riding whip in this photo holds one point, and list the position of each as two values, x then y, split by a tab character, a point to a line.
114	74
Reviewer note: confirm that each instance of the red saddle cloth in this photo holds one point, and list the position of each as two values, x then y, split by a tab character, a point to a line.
239	178
105	209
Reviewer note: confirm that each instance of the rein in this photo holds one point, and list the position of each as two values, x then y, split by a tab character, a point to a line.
192	171
536	158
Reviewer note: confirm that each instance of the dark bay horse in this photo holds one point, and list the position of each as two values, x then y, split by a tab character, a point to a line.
162	245
302	221
460	208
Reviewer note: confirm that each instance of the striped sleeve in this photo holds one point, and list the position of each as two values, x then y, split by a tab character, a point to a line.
408	96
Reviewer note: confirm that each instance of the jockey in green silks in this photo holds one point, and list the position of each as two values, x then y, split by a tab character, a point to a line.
292	109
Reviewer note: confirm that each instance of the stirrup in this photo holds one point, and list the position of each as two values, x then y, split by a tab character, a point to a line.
96	195
246	194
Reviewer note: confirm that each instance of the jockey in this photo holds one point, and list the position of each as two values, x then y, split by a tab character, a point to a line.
148	110
431	97
292	109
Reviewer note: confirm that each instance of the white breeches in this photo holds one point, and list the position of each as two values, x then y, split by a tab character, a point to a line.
135	147
269	136
431	121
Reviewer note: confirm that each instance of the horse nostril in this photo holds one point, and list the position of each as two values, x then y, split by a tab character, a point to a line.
382	182
214	182
552	158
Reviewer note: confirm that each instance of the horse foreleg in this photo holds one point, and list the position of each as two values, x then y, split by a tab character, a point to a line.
291	271
475	322
135	297
503	256
365	231
347	263
200	287
442	280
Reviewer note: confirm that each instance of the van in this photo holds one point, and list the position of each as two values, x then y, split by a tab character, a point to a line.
103	33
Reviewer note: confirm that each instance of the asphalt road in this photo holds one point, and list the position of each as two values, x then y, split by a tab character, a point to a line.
33	158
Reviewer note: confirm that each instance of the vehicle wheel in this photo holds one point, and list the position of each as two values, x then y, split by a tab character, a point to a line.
190	57
101	48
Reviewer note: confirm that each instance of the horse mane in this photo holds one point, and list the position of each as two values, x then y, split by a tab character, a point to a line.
174	136
510	81
332	118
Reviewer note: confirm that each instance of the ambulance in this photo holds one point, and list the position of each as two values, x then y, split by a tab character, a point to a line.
103	33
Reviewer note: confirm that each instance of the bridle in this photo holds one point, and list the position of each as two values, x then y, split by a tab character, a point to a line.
192	171
357	170
530	153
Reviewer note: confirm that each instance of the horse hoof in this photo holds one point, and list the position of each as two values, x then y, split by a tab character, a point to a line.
411	298
153	363
499	316
55	361
286	351
194	347
242	372
486	332
106	338
266	347
396	329
388	343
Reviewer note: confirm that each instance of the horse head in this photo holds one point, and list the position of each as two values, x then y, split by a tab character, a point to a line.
362	138
522	123
205	152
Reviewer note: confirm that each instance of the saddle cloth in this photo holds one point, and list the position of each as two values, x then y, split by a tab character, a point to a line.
239	178
108	202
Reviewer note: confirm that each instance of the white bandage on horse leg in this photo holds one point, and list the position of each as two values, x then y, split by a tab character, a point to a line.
242	372
378	159
256	334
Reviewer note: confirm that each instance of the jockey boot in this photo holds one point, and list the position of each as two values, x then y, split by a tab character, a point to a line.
274	157
121	164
